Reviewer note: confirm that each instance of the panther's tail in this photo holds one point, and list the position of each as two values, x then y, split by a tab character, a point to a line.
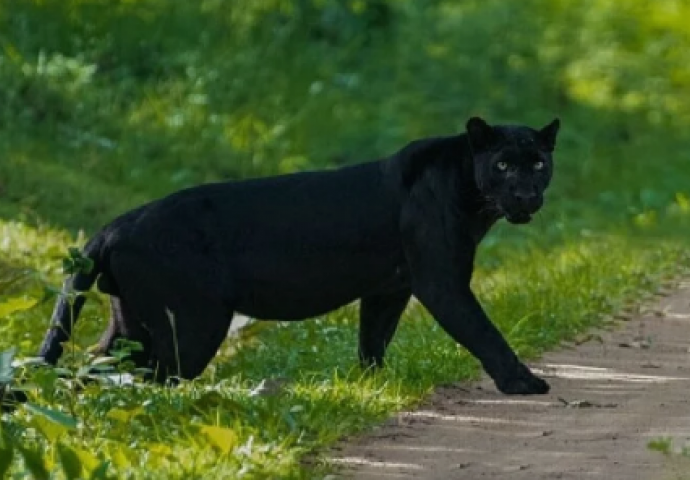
66	311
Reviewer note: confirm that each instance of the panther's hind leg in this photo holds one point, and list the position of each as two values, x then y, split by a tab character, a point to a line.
193	331
123	325
186	323
378	319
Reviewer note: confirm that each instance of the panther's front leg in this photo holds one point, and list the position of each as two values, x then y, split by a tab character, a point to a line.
461	315
456	309
441	273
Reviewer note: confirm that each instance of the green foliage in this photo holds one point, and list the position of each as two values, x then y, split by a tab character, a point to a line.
663	445
107	104
122	102
76	262
6	454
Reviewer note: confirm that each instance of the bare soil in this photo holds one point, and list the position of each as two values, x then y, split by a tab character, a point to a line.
609	397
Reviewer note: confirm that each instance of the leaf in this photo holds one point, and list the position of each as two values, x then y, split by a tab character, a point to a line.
63	372
16	304
44	379
76	262
49	293
104	361
128	345
13	277
71	464
34	463
6	370
120	457
85	265
29	362
68	266
92	296
124	415
97	370
84	371
6	455
55	416
50	430
222	438
101	471
88	460
160	449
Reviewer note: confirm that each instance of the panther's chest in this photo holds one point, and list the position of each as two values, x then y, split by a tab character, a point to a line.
480	224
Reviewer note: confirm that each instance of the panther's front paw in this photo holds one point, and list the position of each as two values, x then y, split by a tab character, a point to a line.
523	382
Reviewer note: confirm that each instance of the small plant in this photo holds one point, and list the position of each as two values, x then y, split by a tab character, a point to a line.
76	262
678	456
663	445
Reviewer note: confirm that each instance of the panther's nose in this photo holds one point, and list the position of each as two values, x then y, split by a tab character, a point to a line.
527	199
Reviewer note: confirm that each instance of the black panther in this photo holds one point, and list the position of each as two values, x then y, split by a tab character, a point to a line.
296	246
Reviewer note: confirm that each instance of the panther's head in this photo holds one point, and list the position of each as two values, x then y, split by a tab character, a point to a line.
512	166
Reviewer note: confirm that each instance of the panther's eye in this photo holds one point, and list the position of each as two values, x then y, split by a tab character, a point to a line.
502	166
539	166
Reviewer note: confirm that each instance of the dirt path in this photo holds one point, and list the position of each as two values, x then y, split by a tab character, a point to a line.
609	398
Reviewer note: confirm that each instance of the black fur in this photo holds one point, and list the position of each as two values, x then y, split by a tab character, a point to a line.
297	246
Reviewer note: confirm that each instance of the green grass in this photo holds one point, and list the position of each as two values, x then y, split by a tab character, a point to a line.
94	120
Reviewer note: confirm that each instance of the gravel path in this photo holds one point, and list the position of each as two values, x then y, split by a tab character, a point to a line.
610	396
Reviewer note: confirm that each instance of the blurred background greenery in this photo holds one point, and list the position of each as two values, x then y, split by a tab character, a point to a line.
106	104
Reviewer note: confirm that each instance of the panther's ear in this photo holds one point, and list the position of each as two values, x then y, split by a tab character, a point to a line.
547	135
481	134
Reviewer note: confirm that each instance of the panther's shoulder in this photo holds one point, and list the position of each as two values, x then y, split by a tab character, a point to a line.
414	158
